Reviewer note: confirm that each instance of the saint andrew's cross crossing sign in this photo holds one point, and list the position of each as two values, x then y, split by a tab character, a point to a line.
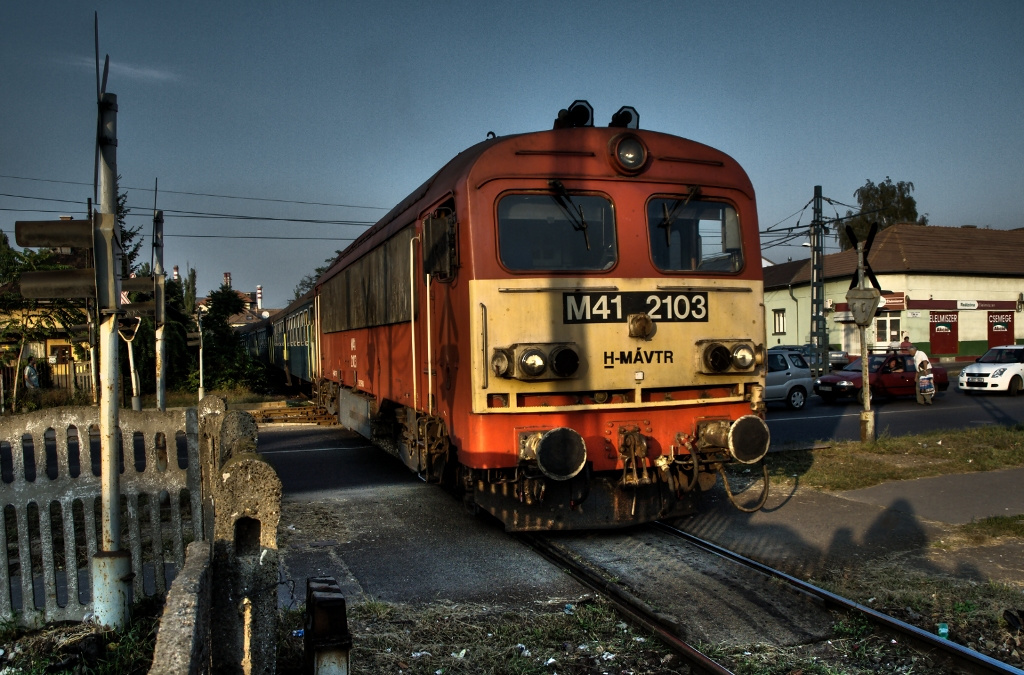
863	302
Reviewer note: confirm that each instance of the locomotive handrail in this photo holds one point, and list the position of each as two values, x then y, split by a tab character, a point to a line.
543	289
716	289
483	337
412	322
430	355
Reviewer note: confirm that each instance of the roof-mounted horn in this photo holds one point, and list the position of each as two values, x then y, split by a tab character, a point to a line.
626	118
579	114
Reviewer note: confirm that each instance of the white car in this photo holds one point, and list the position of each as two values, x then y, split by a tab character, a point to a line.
998	369
788	379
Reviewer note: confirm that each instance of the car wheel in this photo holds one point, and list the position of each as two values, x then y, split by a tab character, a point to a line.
1015	386
797	398
860	395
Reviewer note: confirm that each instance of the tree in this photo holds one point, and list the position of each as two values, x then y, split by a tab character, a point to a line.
228	363
131	243
24	320
189	293
886	203
307	282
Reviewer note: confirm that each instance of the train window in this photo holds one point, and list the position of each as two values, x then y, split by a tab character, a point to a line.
689	236
556	233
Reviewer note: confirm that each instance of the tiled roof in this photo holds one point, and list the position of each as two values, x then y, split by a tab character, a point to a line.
907	248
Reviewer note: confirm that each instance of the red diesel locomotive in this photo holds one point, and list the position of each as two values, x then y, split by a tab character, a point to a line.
566	324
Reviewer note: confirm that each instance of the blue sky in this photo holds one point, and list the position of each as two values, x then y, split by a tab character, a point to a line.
355	104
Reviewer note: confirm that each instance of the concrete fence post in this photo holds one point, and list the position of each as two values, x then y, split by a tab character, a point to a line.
246	498
183	642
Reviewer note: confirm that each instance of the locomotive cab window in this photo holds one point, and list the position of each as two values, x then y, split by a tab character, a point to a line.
556	232
689	235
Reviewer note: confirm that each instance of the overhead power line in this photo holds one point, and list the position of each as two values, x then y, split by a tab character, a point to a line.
256	236
144	235
143	212
200	194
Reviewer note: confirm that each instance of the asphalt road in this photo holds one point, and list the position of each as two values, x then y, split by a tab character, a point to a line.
952	409
352	512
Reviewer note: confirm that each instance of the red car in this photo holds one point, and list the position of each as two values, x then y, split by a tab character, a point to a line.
891	375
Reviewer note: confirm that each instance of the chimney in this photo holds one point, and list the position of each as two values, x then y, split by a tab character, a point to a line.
176	277
259	296
227	279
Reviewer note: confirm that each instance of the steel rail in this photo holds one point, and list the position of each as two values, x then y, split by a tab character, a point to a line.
635	609
968	659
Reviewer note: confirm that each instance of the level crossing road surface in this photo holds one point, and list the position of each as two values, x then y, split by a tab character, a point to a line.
353	512
951	409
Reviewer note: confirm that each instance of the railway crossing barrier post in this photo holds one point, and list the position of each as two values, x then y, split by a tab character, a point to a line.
326	639
245	494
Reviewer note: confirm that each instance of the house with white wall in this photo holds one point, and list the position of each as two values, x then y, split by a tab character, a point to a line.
956	291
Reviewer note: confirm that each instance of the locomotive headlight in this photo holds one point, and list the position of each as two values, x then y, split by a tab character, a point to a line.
743	357
717	358
564	361
501	363
533	362
630	153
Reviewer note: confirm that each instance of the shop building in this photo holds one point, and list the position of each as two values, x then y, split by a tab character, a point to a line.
954	291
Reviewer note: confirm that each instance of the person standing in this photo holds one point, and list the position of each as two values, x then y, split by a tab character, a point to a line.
31	376
906	344
924	384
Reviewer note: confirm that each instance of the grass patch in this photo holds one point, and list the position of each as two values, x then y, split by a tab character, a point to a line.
850	465
83	647
982	532
995	527
185	399
582	637
970	609
289	645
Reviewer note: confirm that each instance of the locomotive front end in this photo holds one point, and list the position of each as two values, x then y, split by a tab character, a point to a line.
609	426
618	340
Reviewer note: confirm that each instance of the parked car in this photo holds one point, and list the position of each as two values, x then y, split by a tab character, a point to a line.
998	369
837	358
891	375
788	379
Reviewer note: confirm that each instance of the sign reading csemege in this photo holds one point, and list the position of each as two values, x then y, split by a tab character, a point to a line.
616	307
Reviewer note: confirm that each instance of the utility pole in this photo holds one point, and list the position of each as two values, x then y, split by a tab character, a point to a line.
863	302
819	327
111	567
160	310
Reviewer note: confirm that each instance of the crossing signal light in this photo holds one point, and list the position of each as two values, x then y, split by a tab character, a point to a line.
90	282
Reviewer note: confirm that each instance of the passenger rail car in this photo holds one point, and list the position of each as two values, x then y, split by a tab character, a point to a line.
289	341
567	324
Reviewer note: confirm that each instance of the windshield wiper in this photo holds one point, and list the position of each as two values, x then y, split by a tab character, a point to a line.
668	216
572	210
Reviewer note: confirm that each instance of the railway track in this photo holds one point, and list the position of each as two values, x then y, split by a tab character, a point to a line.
691	592
627	604
306	414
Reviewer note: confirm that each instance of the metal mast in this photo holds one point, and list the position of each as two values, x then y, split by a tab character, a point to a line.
819	327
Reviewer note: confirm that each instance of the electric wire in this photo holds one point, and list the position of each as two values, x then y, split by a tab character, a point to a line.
198	194
772	237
